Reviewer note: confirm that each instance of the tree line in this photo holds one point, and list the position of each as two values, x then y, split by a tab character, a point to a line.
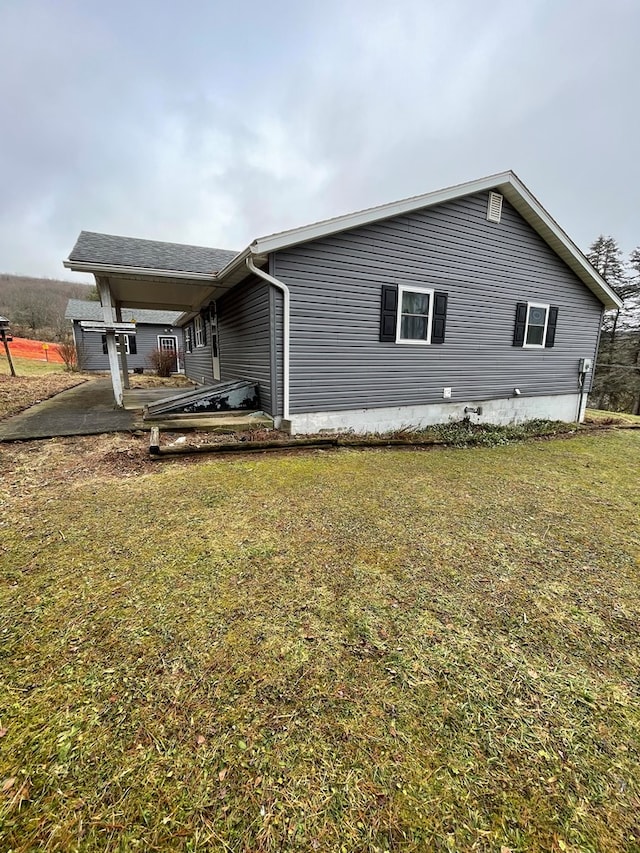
616	384
35	306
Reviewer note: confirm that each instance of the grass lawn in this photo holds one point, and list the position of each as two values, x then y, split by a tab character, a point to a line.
345	651
28	366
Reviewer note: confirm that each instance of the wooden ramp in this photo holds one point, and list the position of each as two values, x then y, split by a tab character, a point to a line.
236	396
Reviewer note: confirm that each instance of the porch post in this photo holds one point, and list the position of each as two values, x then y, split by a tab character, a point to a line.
123	350
108	315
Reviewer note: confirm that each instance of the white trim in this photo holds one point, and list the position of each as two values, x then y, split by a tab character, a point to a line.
198	331
531	305
405	288
286	309
507	183
109	317
188	339
506	410
90	266
127	348
116	328
177	350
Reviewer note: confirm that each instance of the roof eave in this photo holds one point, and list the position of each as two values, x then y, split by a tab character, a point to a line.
112	269
534	213
507	182
286	239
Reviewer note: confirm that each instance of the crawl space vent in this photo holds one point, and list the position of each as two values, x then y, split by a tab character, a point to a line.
494	208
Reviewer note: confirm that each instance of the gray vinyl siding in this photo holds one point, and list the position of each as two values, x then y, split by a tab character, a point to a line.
89	346
245	336
198	365
336	358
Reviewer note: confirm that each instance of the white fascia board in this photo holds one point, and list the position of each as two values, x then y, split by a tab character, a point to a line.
530	209
87	266
118	328
285	239
507	183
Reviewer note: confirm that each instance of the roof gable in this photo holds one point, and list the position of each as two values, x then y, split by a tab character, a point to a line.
506	183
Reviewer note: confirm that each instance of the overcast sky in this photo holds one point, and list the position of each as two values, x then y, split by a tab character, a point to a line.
212	123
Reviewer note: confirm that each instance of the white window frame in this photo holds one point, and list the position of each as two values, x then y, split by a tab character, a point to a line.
547	308
405	288
126	344
198	331
188	339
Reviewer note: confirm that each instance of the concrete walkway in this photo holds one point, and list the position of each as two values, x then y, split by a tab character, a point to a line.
87	409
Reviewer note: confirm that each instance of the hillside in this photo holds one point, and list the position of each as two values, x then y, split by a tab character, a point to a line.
36	306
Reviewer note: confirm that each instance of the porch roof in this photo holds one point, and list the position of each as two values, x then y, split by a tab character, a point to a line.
110	249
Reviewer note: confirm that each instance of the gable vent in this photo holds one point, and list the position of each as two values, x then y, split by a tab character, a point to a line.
494	208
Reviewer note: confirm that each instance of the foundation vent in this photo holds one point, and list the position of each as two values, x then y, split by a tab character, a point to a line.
494	208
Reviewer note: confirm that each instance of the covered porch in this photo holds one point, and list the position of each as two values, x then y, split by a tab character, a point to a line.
146	274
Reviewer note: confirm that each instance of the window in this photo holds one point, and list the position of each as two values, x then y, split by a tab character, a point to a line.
535	326
188	339
198	325
130	347
127	348
412	315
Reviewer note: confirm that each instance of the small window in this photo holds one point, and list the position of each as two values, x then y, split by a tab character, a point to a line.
536	326
127	348
415	309
130	347
188	339
198	325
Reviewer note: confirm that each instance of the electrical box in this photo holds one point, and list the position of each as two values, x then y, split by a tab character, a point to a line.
446	393
586	364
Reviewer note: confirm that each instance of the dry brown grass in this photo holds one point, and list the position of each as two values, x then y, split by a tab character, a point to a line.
19	392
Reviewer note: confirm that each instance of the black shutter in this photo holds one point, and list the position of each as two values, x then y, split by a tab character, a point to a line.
104	345
389	313
521	324
133	348
439	322
551	327
204	330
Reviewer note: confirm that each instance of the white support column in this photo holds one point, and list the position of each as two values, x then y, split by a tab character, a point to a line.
109	319
123	350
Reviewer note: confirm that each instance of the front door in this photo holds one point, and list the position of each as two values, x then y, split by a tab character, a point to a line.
169	344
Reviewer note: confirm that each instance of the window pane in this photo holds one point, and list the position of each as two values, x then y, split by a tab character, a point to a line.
415	303
413	328
534	334
537	316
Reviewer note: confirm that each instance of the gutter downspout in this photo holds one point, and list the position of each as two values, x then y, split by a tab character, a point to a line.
286	309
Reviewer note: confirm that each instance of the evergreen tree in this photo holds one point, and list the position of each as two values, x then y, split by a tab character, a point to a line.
617	382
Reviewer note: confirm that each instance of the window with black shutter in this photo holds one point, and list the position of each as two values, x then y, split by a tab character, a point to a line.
129	344
535	325
412	315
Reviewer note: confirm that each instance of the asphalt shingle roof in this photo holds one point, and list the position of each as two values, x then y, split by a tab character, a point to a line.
110	249
80	309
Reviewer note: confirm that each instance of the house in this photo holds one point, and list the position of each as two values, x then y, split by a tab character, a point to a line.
154	330
468	301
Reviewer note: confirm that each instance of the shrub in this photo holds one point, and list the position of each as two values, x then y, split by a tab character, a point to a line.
162	362
68	354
